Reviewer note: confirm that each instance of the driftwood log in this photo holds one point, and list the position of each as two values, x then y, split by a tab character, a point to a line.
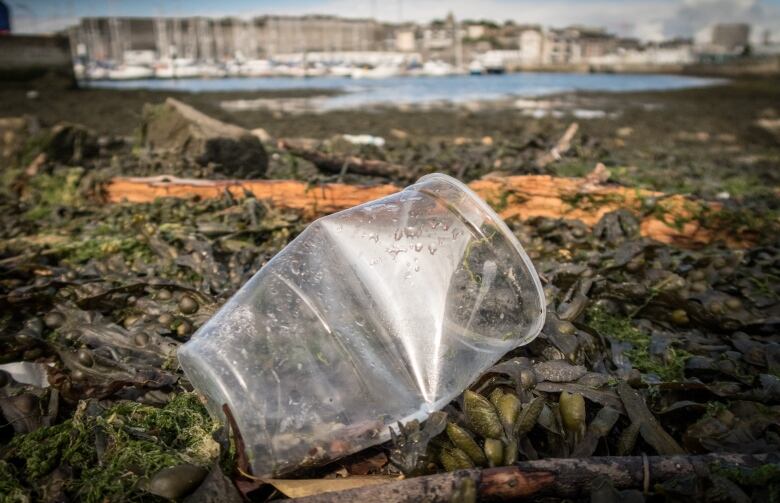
673	219
563	478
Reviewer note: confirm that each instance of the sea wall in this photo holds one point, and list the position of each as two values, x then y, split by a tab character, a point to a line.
27	57
744	67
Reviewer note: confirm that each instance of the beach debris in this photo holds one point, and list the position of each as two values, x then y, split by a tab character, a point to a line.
364	139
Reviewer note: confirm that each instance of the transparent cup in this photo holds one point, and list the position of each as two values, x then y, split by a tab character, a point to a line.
381	313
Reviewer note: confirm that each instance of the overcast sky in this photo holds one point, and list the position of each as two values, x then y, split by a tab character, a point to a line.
646	19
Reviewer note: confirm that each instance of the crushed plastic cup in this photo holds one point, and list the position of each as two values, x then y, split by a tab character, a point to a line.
380	313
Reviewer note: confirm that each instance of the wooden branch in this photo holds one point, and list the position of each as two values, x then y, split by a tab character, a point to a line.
673	221
562	478
335	164
560	148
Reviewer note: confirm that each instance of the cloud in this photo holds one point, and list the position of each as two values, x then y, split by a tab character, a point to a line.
698	16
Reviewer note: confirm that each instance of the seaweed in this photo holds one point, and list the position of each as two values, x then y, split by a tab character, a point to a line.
137	441
622	329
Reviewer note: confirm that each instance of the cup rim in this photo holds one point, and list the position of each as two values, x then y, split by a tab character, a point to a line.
506	233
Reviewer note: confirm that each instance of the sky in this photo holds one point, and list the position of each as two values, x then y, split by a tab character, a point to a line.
645	19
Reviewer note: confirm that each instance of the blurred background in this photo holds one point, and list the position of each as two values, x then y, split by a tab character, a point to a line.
654	85
121	40
514	71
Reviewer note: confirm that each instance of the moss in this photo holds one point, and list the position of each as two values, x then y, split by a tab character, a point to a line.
622	329
47	192
765	478
502	203
139	441
572	168
761	221
744	185
11	490
34	145
101	247
505	199
715	408
585	201
668	371
8	177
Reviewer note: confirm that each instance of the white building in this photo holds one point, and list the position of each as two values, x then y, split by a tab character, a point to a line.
531	46
648	56
475	31
561	47
405	41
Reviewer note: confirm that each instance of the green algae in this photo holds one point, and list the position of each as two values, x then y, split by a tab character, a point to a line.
622	329
764	478
101	247
136	441
47	192
11	490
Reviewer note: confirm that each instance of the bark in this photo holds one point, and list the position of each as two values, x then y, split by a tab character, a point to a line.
675	219
563	478
286	194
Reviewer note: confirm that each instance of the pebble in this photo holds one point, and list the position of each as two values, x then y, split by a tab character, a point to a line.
188	305
558	371
54	319
177	481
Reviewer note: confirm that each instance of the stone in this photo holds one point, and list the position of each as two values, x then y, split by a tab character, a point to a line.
71	144
177	129
177	481
216	488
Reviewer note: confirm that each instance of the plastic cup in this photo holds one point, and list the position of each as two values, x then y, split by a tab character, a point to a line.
381	313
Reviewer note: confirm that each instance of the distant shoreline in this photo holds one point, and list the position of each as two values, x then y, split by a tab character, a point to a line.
119	111
745	67
323	94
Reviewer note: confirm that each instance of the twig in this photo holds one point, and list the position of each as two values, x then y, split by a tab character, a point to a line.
560	148
341	164
243	461
563	478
